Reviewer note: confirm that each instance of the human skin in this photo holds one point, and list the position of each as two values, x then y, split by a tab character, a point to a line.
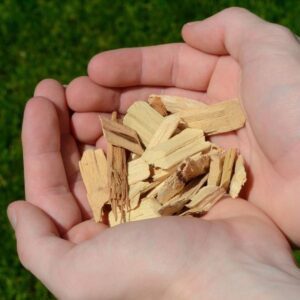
239	250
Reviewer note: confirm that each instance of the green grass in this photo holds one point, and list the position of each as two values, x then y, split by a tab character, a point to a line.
42	39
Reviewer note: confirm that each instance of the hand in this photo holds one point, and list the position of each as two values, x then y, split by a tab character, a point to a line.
167	258
231	54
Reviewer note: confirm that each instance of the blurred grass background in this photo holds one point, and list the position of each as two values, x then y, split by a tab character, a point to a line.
40	39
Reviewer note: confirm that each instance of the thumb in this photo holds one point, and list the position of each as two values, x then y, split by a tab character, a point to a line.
237	32
38	243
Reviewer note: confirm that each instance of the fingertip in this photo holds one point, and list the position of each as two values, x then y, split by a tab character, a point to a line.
102	144
73	92
116	68
84	95
189	26
92	66
37	104
47	86
86	127
55	92
39	115
12	212
85	231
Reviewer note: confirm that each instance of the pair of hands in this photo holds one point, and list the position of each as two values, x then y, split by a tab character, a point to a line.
238	250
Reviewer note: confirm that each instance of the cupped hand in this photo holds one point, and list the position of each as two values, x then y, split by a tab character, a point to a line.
232	54
235	252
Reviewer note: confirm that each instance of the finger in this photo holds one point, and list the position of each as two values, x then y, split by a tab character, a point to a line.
87	126
85	231
225	80
234	31
264	90
54	91
102	143
165	65
83	95
39	247
46	183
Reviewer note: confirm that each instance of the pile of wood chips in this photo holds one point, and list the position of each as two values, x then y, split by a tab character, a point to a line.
159	162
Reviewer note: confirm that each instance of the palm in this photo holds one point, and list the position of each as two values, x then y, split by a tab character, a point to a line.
170	254
269	141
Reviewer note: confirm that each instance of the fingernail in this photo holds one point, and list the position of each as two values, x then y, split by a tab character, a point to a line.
12	218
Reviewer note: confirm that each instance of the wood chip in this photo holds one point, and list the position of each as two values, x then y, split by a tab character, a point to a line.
201	195
176	149
160	174
93	168
175	104
214	119
117	178
229	160
173	206
164	131
171	186
147	209
142	118
187	170
138	170
178	173
239	178
157	104
207	203
215	169
204	199
193	167
122	136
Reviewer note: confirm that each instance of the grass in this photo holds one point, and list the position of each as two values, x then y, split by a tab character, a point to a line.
42	39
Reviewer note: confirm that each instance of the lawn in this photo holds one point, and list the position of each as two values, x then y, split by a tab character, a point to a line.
55	39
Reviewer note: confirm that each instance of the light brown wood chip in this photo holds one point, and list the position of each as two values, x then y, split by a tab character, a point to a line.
239	178
117	178
193	167
176	149
158	174
142	118
147	209
204	199
229	160
138	170
215	169
175	104
164	131
187	170
173	206
93	169
157	104
214	119
122	136
176	204
171	186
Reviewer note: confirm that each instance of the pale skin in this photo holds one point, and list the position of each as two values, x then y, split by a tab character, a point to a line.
240	249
